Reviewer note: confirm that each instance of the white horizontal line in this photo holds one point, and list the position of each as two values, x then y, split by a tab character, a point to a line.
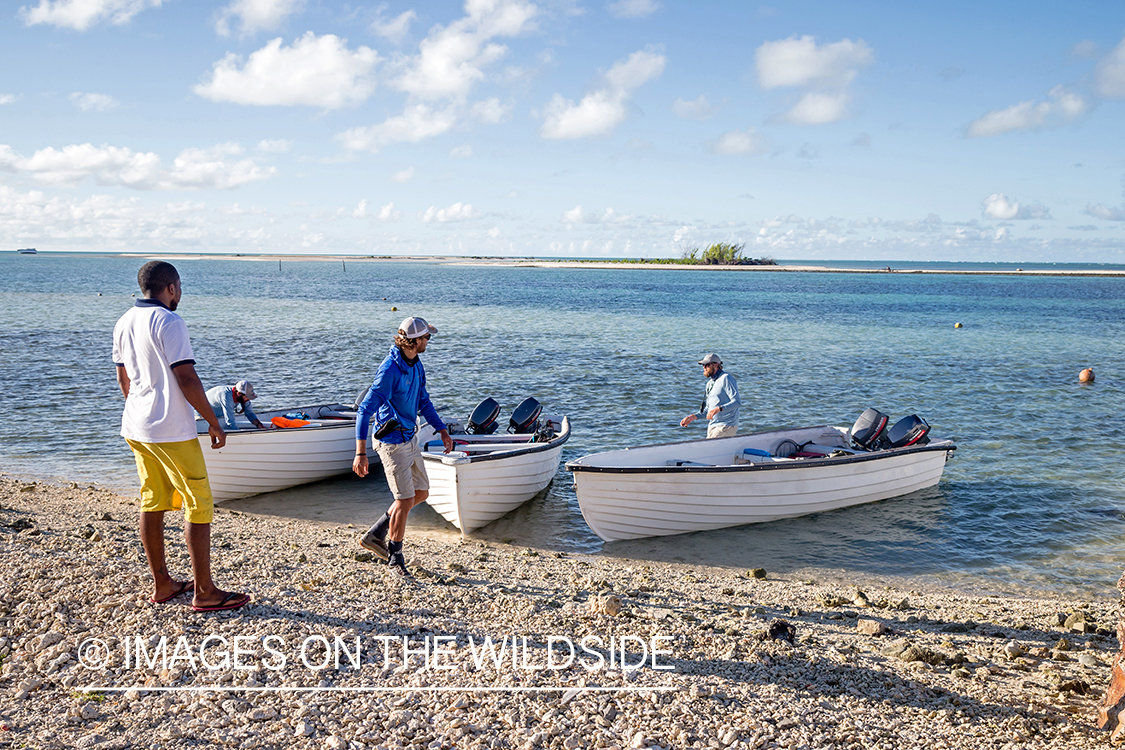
437	688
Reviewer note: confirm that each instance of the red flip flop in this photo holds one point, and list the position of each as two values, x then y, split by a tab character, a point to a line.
185	587
233	600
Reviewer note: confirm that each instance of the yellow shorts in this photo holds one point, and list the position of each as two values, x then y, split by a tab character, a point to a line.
174	475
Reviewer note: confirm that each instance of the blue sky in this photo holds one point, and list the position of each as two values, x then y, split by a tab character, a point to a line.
630	128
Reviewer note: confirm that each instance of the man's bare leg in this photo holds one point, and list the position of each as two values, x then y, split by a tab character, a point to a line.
198	538
152	538
398	513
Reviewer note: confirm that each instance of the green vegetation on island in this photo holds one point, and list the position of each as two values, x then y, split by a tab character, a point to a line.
718	254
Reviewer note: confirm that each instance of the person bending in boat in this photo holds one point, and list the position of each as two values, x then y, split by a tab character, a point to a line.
230	401
396	398
720	402
156	374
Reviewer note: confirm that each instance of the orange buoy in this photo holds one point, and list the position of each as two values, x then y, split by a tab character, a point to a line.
1086	376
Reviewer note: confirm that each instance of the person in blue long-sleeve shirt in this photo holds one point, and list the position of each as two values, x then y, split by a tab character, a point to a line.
228	402
720	403
395	399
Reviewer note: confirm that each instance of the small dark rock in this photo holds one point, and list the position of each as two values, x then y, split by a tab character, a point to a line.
779	630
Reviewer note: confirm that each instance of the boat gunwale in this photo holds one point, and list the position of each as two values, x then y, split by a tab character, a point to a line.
555	442
577	467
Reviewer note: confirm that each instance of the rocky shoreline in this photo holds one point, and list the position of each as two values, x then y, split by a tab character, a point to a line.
499	646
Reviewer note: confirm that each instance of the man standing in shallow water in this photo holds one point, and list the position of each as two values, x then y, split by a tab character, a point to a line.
396	398
720	403
156	373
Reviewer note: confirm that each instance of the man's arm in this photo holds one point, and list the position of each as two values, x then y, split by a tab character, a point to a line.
193	391
249	412
123	381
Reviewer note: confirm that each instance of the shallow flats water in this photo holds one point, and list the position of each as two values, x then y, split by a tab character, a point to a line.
1033	500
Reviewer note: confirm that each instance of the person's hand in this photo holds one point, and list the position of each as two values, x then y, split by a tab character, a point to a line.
711	414
687	420
446	440
218	437
359	465
259	425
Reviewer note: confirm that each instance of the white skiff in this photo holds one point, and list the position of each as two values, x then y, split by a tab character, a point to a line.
488	475
255	461
697	485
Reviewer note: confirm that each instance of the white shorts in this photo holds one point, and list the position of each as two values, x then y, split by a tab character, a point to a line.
404	467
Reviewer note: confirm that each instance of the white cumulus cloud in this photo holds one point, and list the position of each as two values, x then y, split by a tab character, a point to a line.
195	168
998	206
633	8
395	29
90	102
360	211
276	146
456	212
416	123
1109	213
697	109
315	71
82	14
404	175
1062	106
388	213
824	72
438	81
740	142
7	98
256	15
605	107
452	59
1109	73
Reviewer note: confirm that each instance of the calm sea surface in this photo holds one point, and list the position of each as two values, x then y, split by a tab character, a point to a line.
1034	498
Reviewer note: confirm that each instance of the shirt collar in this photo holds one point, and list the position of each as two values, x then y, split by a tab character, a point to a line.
149	302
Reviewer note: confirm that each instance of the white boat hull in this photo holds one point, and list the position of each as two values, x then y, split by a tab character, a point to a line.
634	493
472	490
255	461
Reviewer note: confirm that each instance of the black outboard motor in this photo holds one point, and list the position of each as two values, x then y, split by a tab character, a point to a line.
912	430
483	419
525	417
867	432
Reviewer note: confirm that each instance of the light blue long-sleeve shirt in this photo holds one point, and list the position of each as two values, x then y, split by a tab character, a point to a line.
221	398
722	391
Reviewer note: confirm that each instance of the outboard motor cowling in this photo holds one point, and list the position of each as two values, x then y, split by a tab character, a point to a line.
867	432
912	430
483	419
525	417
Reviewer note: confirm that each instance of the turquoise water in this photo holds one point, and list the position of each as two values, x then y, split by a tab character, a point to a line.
1033	499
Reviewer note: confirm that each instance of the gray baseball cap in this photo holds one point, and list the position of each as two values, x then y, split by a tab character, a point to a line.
711	358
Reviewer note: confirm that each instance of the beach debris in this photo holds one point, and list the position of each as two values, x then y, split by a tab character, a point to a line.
779	630
608	604
1076	622
759	573
860	599
870	627
1086	376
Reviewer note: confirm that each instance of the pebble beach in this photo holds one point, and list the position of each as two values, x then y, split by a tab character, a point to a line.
502	646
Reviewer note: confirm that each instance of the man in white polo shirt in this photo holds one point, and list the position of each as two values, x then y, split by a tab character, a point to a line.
156	373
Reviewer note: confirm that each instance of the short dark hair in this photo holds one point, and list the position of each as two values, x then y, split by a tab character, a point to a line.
156	275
